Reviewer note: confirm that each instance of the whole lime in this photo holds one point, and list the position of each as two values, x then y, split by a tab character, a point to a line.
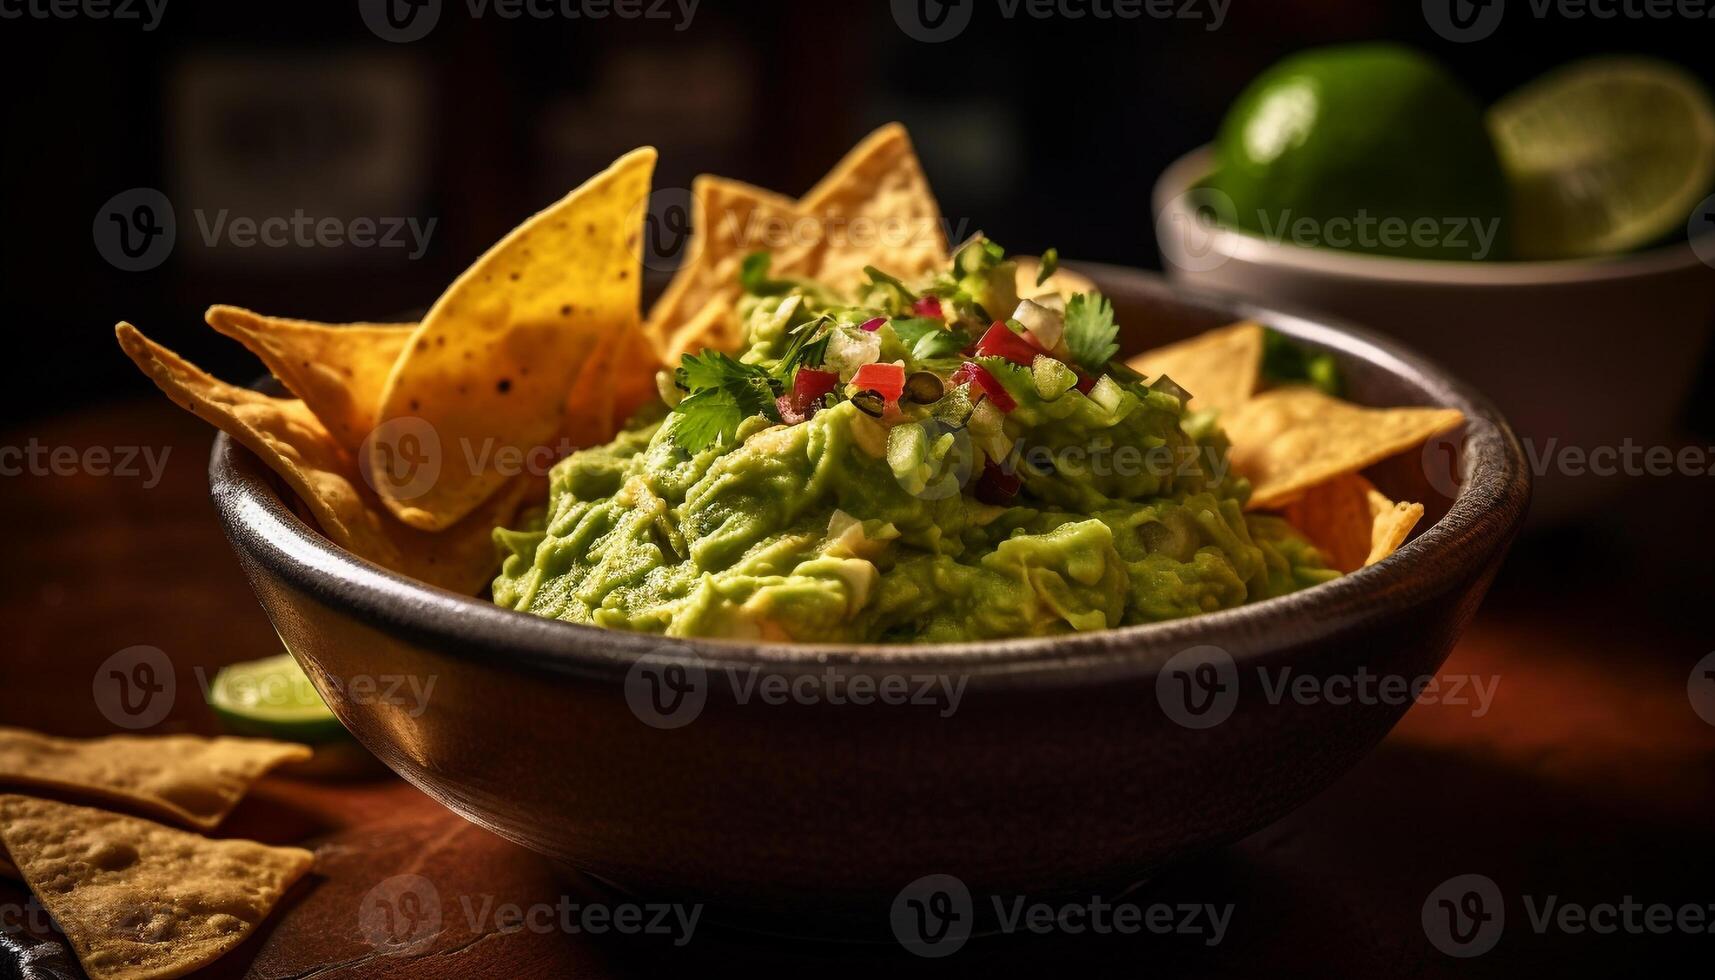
1365	147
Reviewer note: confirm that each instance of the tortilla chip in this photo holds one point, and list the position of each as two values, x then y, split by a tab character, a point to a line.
293	443
489	368
193	780
138	900
1351	522
1063	282
1221	368
729	220
339	370
1288	440
875	208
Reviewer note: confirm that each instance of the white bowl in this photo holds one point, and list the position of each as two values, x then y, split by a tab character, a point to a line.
1590	355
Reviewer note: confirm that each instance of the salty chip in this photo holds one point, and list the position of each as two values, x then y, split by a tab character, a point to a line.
294	443
139	900
339	370
488	370
1221	368
1288	440
1351	522
187	778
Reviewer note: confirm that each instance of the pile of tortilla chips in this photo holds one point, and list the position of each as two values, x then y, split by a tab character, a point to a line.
409	443
135	898
1301	449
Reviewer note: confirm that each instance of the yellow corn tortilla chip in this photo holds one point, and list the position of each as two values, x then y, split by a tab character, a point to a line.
729	220
1351	522
138	900
875	208
1063	282
1221	368
489	368
339	370
289	438
188	778
1288	440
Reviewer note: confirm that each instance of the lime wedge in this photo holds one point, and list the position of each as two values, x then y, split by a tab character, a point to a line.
272	698
1604	155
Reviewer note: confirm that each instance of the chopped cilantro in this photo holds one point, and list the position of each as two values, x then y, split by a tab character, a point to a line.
1050	262
753	276
723	393
928	338
1090	331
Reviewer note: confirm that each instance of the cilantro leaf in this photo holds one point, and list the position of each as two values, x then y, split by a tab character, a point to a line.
723	393
805	349
1285	361
753	276
1090	331
1050	262
928	338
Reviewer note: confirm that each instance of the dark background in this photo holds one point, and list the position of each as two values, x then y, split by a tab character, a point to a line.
1038	131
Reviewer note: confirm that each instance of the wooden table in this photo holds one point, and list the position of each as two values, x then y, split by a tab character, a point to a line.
1589	777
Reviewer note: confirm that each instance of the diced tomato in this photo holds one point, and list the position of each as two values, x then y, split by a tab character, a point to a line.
928	306
996	485
887	380
1085	382
1000	341
810	384
971	372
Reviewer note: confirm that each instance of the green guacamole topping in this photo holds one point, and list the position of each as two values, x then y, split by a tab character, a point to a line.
1055	496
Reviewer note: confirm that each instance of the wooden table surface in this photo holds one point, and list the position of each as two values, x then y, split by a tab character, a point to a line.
1588	779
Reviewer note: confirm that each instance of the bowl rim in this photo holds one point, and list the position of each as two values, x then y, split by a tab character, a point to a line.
1167	199
1482	519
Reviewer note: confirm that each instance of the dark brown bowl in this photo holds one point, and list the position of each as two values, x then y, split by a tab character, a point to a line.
1065	764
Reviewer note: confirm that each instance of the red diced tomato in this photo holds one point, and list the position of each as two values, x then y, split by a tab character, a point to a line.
973	373
810	384
928	306
997	486
887	380
1085	382
1000	341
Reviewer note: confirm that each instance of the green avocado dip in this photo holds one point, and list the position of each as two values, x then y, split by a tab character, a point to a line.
902	466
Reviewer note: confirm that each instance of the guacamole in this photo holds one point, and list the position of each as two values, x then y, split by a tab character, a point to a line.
902	466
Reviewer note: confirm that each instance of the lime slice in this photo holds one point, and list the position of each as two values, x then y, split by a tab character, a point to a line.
272	698
1604	155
